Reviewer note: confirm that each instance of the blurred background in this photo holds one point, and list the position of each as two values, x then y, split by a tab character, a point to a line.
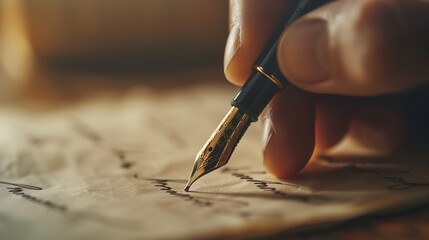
66	49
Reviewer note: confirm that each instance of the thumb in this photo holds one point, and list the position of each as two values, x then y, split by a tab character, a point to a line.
365	47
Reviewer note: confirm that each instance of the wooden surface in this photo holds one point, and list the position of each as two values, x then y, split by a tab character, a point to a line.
411	224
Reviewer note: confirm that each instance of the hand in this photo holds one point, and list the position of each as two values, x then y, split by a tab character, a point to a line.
356	65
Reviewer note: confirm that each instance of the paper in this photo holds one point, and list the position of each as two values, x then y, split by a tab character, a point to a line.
115	168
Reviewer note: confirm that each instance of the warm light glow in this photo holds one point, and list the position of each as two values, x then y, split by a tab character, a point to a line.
15	52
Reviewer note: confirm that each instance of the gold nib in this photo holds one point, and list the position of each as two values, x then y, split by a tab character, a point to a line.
218	149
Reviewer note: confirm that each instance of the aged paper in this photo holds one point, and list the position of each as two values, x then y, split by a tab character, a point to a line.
115	168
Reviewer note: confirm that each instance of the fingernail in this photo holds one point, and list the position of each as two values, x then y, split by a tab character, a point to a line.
232	45
303	53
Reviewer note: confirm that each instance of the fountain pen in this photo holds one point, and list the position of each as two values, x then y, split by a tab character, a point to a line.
261	86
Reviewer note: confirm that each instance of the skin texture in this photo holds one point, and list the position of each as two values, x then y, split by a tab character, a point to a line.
358	67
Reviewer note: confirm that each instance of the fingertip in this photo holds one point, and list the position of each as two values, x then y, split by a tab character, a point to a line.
237	70
234	71
252	22
288	133
283	164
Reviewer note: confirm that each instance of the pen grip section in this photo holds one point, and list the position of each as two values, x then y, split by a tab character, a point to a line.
268	58
255	95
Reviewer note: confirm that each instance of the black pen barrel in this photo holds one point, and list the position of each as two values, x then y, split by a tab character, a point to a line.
266	79
254	96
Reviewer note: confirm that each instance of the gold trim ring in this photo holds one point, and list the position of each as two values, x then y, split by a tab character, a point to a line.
271	77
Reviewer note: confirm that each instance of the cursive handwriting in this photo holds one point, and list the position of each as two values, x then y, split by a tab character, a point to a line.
30	187
120	154
399	183
164	185
89	133
267	186
261	184
394	177
19	190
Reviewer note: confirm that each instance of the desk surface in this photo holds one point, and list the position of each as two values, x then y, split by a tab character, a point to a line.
411	224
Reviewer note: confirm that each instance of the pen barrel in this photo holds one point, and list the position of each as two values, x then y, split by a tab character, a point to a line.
260	88
268	58
267	78
254	96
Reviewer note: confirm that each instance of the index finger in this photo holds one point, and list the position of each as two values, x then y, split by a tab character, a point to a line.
252	22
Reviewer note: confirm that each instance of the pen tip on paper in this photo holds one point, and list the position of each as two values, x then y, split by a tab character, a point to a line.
218	149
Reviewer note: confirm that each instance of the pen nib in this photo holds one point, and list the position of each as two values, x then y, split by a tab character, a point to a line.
218	149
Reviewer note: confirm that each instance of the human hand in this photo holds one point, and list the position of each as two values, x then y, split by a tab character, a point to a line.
354	63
